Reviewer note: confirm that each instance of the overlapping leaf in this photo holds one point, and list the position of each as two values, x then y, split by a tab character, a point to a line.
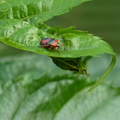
35	11
30	90
21	27
30	95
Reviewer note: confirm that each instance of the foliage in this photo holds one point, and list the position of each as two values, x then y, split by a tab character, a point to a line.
21	26
29	89
33	91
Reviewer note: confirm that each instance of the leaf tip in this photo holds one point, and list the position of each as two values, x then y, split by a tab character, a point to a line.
105	74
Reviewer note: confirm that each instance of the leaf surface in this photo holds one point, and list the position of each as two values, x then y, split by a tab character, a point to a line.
21	26
30	95
24	36
35	11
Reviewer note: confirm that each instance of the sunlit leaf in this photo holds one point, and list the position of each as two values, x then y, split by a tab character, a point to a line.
27	37
35	10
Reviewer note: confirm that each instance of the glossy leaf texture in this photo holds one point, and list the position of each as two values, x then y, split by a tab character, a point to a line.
25	94
25	36
35	11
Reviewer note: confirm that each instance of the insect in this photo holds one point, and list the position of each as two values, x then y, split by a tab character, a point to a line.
50	43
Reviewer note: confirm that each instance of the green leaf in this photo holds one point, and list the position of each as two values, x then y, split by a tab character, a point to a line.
32	95
77	43
72	64
21	27
24	36
35	10
18	66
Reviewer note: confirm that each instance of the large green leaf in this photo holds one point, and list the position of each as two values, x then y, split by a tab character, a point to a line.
31	65
21	27
32	94
77	43
35	10
27	37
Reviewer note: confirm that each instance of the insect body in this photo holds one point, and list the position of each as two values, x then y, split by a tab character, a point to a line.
50	43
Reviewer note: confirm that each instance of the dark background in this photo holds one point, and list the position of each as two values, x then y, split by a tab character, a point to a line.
98	17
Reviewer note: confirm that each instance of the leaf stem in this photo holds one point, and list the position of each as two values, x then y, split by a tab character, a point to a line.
105	73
